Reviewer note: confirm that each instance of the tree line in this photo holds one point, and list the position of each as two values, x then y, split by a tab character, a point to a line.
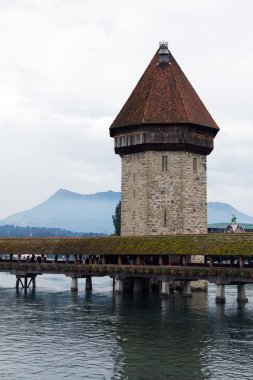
29	231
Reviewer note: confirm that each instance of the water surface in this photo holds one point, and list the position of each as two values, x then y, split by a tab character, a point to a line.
51	333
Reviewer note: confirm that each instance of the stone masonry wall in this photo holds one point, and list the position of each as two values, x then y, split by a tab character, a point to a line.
163	202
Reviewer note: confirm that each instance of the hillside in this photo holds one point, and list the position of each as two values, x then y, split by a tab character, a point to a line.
93	212
222	213
72	211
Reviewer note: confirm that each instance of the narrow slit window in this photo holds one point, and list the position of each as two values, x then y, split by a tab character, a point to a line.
134	193
195	165
164	163
165	218
134	214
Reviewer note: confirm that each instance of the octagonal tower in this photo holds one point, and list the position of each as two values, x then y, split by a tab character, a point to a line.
163	134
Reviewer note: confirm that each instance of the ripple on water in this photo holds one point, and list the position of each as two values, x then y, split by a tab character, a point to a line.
53	334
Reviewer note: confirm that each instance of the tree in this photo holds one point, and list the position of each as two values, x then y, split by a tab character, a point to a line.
116	218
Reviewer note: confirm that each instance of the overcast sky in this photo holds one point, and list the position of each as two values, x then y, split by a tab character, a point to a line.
68	66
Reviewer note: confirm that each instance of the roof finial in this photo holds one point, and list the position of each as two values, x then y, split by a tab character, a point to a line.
163	43
163	52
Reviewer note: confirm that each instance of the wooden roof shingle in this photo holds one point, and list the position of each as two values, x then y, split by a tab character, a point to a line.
163	95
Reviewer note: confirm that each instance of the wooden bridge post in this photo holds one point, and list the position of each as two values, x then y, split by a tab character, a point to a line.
25	284
165	291
220	294
118	286
241	294
33	280
88	283
74	284
241	262
17	282
187	289
160	260
119	260
138	285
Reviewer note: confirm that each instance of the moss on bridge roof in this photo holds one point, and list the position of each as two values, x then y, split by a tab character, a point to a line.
206	244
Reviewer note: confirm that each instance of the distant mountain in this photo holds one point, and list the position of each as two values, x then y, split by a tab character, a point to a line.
93	213
222	213
68	210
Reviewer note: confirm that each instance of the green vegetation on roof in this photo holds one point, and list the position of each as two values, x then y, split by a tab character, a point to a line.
206	244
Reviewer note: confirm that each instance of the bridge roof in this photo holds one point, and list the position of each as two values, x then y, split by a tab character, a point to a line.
206	244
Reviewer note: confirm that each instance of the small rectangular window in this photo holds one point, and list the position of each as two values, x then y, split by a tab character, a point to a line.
164	163
195	165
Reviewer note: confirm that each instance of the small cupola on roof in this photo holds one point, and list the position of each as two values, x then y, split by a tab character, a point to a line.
163	53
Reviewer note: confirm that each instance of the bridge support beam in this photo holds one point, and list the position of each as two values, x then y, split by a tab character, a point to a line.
187	292
241	294
118	286
26	282
165	291
33	282
220	294
140	284
74	284
137	285
88	283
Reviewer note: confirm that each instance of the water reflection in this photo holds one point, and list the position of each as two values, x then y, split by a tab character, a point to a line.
56	334
161	338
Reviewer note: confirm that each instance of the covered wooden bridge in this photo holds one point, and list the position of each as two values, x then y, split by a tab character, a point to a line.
135	263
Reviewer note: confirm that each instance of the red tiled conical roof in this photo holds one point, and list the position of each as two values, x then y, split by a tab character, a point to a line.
163	95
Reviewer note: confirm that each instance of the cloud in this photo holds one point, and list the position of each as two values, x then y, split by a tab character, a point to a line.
230	178
67	67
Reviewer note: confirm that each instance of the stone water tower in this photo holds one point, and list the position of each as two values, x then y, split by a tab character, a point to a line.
163	134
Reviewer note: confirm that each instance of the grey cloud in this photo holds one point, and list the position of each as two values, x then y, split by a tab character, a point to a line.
67	67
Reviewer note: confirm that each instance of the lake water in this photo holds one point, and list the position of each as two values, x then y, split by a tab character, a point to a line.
51	333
